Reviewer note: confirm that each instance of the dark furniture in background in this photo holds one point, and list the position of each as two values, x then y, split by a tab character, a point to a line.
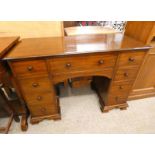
10	103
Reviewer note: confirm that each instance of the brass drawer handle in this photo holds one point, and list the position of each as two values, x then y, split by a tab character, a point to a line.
35	84
120	87
39	98
68	65
126	74
43	110
100	62
30	68
131	59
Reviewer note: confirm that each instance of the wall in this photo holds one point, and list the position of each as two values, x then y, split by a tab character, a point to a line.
30	29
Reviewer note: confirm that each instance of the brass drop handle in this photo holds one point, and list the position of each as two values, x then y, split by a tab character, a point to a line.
30	68
131	59
100	62
43	110
39	98
68	65
35	84
126	74
120	87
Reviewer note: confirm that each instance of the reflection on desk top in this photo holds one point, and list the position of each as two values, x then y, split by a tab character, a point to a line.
58	46
84	30
6	43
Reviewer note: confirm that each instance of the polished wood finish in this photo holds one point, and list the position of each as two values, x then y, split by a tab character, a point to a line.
140	30
80	82
121	89
125	74
79	63
84	30
74	45
36	85
80	30
6	43
144	83
29	68
33	77
123	77
38	64
108	72
131	58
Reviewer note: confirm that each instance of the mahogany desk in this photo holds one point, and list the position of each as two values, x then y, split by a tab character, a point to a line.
38	64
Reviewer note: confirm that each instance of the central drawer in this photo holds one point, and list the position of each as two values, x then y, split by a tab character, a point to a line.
78	63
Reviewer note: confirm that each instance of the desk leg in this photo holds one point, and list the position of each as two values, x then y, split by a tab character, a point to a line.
25	114
106	108
103	95
24	124
123	108
16	118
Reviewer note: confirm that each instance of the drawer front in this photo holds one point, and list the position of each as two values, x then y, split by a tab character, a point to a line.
35	85
115	100
131	58
81	81
81	63
43	110
40	99
29	68
121	89
126	74
61	77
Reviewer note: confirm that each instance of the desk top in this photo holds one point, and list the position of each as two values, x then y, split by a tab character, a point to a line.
84	30
6	43
58	46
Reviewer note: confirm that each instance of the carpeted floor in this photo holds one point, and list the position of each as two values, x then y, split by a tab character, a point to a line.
81	114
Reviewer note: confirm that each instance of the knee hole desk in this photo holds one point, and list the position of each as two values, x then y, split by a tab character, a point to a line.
38	64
